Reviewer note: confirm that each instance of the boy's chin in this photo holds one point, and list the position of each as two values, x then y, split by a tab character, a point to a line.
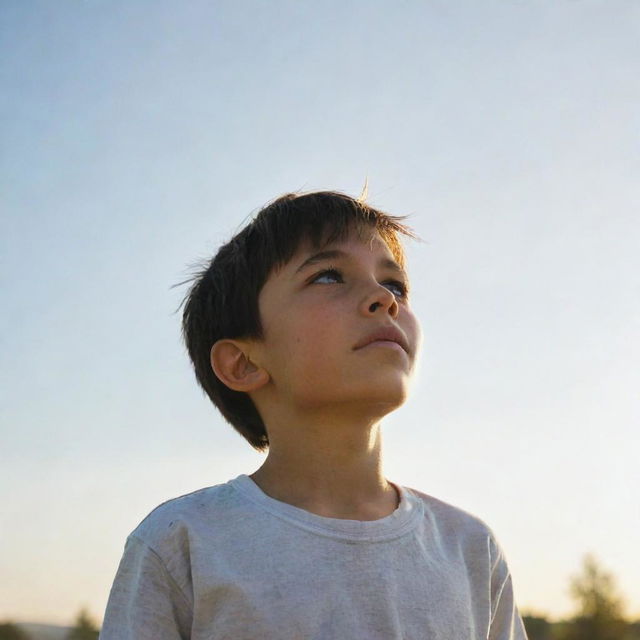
388	400
379	399
393	388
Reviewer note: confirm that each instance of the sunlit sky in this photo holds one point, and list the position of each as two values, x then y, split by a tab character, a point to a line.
138	136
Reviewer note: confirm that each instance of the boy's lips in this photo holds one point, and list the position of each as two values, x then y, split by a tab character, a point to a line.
385	334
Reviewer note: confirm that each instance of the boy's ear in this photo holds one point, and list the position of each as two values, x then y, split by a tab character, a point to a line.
234	368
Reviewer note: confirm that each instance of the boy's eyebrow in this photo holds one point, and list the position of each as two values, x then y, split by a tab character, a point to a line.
336	253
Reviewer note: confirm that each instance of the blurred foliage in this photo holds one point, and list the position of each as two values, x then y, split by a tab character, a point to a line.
538	628
633	631
85	628
599	611
9	631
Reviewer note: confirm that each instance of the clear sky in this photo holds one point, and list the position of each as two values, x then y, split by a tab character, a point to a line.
137	136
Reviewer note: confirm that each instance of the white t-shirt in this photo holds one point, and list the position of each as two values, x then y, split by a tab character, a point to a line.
229	562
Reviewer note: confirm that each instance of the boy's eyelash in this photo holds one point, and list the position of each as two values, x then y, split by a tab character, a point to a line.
329	271
402	286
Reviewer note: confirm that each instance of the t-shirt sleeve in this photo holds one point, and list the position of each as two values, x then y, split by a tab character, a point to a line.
145	602
506	623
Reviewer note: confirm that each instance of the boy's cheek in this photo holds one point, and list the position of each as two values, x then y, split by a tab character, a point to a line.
418	336
412	328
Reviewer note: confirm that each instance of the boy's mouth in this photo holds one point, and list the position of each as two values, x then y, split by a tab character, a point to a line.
385	334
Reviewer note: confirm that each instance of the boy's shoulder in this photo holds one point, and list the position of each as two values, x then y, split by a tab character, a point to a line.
176	515
452	520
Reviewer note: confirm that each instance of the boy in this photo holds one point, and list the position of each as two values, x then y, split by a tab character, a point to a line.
301	333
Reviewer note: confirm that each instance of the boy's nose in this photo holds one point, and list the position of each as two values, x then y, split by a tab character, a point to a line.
379	300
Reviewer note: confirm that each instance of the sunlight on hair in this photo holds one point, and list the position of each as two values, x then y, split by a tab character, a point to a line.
365	191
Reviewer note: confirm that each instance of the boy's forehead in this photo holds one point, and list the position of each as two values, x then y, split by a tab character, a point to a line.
365	235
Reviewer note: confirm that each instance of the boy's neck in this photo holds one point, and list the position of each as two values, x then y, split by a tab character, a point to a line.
334	472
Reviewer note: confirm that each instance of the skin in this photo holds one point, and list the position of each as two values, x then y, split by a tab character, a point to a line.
321	399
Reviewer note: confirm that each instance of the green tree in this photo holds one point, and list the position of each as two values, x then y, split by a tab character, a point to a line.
85	628
538	627
9	631
633	631
599	614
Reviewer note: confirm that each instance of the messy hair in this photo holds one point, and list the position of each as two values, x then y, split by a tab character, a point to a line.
222	301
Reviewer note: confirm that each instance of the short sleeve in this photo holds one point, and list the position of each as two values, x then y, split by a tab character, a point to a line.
145	602
506	623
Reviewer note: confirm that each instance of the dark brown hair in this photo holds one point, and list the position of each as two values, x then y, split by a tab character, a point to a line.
223	299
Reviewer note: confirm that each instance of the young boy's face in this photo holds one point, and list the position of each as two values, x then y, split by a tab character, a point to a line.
320	309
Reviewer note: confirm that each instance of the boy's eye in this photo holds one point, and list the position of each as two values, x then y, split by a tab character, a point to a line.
401	289
330	274
398	288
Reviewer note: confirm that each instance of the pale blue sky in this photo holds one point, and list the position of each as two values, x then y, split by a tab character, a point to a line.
137	136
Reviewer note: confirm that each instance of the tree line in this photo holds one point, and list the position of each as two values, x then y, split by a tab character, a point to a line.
84	629
599	613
